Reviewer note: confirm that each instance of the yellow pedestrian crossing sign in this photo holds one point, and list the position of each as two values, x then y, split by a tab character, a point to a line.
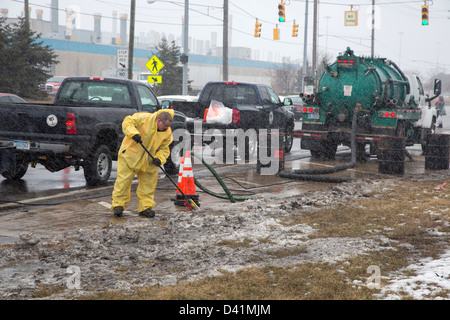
154	79
154	65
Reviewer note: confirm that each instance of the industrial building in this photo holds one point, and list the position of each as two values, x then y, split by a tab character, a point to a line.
94	52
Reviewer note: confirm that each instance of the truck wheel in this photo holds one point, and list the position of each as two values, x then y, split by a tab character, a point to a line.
20	168
97	168
172	165
251	147
289	142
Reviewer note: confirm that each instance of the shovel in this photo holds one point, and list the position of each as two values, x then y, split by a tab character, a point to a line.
189	202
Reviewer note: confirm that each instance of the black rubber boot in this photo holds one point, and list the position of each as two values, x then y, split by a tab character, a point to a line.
118	211
148	213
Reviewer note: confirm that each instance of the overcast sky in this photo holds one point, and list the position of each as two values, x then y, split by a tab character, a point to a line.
399	34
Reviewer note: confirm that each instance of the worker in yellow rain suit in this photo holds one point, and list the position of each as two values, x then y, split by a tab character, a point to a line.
153	130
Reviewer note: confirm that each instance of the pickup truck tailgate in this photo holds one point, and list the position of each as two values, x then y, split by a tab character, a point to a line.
24	121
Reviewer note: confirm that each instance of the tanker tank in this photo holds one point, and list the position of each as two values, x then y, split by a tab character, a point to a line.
371	83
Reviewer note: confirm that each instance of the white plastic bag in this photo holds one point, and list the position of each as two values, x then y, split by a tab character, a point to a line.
439	121
218	113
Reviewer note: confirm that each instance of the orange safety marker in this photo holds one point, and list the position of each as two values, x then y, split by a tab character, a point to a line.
187	184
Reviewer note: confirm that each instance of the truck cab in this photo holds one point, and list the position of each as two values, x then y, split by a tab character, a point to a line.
417	97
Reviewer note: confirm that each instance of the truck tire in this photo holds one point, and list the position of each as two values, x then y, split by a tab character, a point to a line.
172	165
97	168
289	142
251	148
20	168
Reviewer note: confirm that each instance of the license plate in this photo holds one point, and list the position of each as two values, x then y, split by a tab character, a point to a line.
314	116
22	145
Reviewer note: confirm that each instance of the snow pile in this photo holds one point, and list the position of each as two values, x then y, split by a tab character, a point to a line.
431	279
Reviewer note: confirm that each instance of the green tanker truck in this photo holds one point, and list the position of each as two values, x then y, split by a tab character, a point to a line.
389	103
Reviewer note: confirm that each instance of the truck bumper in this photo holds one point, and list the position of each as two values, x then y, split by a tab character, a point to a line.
38	149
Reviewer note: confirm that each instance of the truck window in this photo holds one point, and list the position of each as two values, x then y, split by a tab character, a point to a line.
268	95
83	92
230	95
149	101
273	96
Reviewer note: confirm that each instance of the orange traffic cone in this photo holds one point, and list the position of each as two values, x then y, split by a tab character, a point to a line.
187	184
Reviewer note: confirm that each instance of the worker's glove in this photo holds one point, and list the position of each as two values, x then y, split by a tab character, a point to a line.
137	138
156	162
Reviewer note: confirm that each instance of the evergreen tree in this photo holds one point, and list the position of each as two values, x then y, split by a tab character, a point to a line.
24	62
172	73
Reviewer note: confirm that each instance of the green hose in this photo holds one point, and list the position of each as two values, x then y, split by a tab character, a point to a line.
225	188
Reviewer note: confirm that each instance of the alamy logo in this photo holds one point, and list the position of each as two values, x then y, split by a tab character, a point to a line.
262	143
74	281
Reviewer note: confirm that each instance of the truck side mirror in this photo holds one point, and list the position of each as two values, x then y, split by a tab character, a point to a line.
287	101
437	87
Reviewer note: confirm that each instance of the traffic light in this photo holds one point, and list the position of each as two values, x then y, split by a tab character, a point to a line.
281	12
258	29
295	29
276	33
424	15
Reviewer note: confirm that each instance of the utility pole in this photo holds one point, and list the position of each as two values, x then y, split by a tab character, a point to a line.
305	43
27	15
314	57
131	40
185	47
225	40
373	29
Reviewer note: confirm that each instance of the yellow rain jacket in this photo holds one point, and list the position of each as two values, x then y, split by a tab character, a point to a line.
133	159
156	142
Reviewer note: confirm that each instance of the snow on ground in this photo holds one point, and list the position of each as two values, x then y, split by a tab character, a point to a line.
431	276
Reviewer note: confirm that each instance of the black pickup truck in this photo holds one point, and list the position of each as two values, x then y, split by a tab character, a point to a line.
82	128
252	106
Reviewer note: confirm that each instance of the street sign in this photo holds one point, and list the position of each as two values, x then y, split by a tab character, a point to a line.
122	58
351	18
154	65
154	79
122	73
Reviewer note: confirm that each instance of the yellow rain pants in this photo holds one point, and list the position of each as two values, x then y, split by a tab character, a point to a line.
134	160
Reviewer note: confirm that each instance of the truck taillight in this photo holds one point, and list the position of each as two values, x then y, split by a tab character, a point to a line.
236	116
387	114
310	110
71	127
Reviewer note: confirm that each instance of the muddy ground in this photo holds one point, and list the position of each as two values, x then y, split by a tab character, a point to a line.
180	246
